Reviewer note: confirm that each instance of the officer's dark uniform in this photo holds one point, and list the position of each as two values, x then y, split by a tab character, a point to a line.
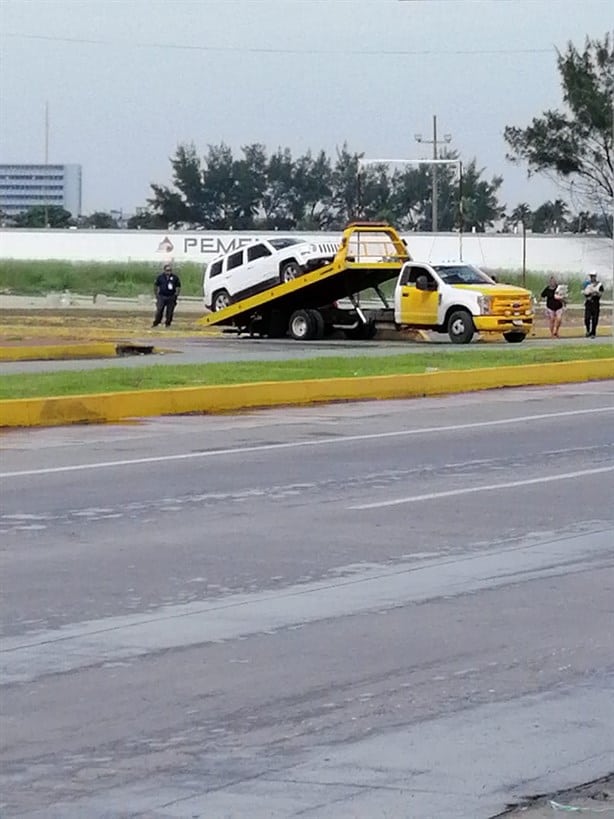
593	290
166	288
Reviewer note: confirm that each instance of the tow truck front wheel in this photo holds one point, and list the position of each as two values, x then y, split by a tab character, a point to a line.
220	300
514	336
460	327
301	325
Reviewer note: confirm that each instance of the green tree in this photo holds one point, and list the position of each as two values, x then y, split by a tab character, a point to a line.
145	219
583	222
376	199
185	204
249	181
42	216
574	145
311	197
481	207
99	220
277	194
550	217
311	193
345	205
411	197
521	215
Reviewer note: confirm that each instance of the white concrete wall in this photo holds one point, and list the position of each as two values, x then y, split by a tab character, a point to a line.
559	254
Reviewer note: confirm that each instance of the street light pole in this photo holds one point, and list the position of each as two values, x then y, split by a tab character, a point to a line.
434	191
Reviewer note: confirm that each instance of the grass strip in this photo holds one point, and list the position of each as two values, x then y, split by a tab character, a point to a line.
130	279
160	376
126	279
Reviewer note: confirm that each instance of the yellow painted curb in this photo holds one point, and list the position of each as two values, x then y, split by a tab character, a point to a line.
75	352
116	406
54	352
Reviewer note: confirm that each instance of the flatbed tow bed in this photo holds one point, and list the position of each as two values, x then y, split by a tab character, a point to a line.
370	254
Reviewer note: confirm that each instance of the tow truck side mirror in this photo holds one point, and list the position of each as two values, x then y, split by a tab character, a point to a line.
422	283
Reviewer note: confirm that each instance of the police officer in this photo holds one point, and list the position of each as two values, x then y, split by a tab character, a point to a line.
166	290
592	290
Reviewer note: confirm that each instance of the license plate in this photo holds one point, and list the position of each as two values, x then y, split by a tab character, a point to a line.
517	322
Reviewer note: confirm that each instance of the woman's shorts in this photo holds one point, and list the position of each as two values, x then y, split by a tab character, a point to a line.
552	314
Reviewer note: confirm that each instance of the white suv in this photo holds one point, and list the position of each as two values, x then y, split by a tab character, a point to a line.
260	265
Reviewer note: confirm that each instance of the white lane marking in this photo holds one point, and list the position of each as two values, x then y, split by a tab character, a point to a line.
26	657
565	476
342	439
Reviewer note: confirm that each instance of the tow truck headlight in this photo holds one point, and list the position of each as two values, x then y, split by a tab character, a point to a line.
485	304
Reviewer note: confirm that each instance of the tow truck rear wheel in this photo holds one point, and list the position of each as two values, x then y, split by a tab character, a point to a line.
514	336
301	325
289	271
460	327
317	320
220	300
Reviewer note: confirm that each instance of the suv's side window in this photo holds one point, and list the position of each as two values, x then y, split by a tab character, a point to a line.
235	260
257	252
215	269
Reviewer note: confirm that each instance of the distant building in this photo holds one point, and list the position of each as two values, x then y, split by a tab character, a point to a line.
26	186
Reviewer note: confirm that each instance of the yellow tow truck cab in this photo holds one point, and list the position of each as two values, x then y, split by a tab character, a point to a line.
460	299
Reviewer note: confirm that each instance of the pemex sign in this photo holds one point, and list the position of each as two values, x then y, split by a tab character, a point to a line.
191	247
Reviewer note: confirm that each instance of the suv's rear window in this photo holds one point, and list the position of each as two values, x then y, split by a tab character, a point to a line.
215	268
235	260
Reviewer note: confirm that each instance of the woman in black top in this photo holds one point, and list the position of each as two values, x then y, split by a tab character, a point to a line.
554	306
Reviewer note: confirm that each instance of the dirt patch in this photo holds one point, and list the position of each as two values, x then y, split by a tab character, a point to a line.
46	327
29	327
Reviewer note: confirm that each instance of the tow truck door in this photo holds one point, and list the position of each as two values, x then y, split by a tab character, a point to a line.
414	305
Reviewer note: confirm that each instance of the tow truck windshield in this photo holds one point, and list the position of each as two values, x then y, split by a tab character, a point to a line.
462	274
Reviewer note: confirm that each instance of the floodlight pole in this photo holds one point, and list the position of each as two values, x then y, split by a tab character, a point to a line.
434	192
459	164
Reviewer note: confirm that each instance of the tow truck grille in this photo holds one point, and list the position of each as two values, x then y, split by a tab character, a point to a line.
511	305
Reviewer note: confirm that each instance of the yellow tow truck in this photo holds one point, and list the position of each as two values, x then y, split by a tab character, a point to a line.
453	298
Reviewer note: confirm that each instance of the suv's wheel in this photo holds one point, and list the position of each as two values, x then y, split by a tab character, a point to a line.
460	327
289	271
301	325
514	336
220	300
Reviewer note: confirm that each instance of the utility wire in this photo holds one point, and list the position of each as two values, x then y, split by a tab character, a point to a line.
304	52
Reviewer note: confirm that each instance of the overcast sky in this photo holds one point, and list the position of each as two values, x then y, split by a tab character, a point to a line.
126	81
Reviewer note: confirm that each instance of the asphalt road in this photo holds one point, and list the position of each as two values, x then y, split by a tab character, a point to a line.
388	609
